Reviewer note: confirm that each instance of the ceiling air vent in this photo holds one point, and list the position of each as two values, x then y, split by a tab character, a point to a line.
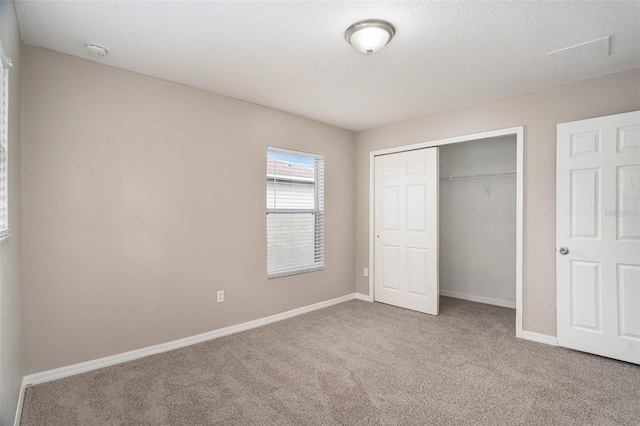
580	53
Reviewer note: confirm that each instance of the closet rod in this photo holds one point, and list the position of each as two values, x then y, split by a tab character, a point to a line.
479	176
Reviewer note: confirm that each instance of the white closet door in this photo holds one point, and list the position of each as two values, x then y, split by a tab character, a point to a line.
598	236
406	225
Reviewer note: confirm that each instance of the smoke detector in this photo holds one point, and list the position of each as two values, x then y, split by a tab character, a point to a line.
96	50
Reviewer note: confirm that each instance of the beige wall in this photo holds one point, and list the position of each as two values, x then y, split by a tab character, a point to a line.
11	370
538	112
143	197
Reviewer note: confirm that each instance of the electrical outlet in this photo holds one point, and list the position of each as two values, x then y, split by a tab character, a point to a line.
366	272
220	296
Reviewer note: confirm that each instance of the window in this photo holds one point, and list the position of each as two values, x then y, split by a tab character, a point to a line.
4	124
295	212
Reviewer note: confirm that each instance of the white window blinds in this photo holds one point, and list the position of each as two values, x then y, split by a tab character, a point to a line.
295	212
4	125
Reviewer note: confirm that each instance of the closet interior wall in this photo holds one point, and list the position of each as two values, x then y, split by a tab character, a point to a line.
478	221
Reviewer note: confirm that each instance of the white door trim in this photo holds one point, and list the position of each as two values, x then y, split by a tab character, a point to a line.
519	133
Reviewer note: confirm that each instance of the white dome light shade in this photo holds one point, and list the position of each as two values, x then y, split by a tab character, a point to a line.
369	40
369	36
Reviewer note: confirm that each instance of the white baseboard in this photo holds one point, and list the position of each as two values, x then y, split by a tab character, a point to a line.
364	297
540	338
83	367
23	387
480	299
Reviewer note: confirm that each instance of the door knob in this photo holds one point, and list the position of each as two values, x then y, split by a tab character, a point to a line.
563	250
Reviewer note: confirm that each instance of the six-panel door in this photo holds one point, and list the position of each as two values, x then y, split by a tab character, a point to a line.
406	226
598	221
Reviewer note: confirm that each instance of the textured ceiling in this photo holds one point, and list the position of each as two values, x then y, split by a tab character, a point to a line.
292	56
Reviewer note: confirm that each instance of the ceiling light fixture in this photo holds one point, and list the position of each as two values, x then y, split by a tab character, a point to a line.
95	50
370	36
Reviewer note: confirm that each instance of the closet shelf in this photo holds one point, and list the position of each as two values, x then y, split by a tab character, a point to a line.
479	176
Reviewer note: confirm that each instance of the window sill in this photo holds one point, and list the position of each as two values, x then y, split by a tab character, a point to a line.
294	272
4	237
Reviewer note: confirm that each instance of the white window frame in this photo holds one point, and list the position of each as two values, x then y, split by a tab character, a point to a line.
318	212
4	143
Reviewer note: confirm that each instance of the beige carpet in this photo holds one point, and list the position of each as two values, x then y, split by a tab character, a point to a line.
356	364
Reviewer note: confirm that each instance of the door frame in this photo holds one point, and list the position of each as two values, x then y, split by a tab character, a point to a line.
518	132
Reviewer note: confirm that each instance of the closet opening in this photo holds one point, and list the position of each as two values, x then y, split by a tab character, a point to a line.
478	182
477	226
